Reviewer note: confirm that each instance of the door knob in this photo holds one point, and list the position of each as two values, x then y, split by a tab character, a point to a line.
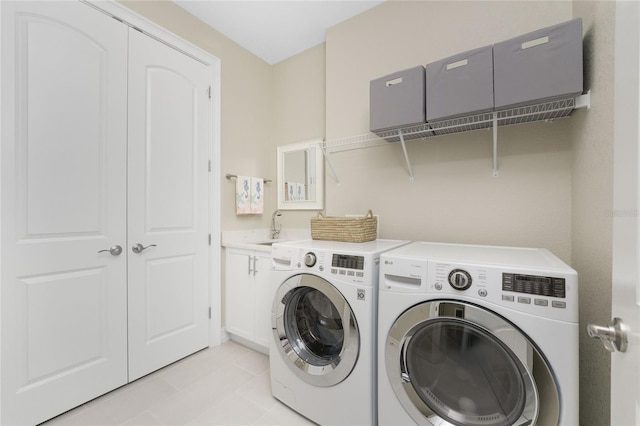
613	337
114	250
138	248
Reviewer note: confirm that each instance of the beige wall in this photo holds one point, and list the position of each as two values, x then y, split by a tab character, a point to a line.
592	200
554	187
246	110
455	197
299	109
555	183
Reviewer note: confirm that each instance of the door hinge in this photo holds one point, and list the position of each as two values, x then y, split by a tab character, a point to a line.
209	92
209	166
209	239
209	312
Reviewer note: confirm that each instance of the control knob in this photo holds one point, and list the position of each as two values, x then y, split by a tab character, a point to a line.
460	279
310	259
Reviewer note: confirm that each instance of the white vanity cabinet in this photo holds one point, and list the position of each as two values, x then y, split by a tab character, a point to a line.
248	295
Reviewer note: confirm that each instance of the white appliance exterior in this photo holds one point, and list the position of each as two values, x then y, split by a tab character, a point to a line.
419	273
351	401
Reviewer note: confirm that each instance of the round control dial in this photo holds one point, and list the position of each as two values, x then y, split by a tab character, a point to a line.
310	259
460	279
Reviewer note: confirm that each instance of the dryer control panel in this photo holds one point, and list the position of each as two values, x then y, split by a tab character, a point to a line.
549	295
521	279
535	285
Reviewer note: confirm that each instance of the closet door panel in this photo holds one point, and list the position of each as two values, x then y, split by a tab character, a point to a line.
171	148
66	114
168	205
63	200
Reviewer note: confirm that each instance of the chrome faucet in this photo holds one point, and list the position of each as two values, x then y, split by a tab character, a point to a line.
275	232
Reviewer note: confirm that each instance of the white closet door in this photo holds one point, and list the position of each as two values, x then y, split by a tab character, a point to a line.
63	200
168	205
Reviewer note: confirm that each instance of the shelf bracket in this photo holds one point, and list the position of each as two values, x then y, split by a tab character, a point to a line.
584	101
495	145
323	148
406	157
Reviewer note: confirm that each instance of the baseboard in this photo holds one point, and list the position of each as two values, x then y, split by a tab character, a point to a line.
249	344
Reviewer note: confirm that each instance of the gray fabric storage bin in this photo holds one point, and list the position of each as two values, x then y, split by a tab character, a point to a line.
459	85
397	100
540	65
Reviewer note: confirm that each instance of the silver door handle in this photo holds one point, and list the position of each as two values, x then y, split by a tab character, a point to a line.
613	337
138	248
114	250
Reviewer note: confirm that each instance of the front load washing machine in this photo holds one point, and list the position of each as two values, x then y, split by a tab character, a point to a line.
323	351
477	335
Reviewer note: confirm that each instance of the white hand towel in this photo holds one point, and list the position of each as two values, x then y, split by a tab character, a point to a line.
257	195
243	195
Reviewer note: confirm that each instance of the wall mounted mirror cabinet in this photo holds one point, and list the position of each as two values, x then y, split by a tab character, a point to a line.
301	176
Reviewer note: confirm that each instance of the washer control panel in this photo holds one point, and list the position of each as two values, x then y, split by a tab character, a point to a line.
347	267
310	259
347	261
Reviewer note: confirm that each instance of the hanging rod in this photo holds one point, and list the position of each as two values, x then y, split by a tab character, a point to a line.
230	176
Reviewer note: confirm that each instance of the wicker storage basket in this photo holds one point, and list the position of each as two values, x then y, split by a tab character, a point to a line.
347	229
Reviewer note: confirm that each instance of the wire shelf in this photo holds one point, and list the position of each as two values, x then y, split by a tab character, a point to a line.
544	111
419	131
540	112
463	124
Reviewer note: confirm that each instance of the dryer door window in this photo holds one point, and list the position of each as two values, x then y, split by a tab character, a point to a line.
316	330
463	374
462	364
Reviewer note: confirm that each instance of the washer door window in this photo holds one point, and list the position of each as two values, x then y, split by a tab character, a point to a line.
315	330
462	364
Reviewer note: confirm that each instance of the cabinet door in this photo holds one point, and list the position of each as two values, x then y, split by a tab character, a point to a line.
240	294
63	199
168	204
264	290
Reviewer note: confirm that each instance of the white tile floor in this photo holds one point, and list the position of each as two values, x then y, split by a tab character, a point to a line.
225	385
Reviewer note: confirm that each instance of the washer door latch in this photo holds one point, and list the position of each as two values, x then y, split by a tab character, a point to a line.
613	337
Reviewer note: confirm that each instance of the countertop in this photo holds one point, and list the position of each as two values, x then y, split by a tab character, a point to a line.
260	239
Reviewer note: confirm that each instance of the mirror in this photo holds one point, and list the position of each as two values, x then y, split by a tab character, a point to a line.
301	176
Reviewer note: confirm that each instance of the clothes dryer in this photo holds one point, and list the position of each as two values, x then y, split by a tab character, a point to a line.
477	335
323	351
